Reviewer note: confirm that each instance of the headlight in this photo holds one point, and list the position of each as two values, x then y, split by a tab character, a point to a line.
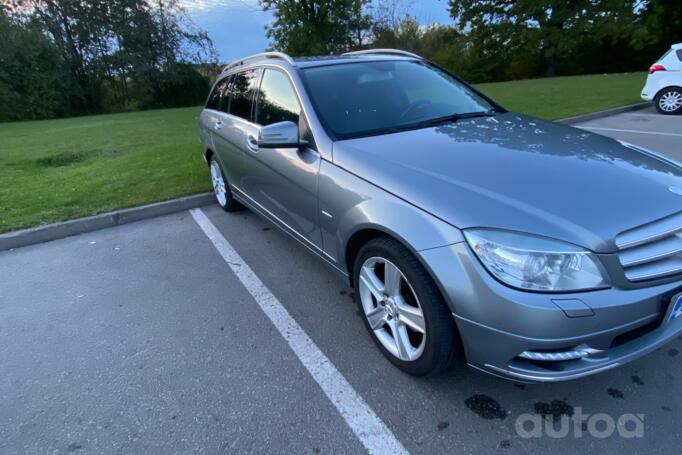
536	263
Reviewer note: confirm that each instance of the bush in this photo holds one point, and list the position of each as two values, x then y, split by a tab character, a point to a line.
34	81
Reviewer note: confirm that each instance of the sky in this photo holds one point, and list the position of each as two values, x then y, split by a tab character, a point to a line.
237	27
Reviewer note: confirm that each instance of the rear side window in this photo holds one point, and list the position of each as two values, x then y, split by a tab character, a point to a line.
277	100
226	94
216	95
679	54
244	86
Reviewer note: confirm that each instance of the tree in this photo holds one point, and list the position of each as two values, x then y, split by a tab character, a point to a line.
118	54
405	35
34	80
553	28
317	27
660	26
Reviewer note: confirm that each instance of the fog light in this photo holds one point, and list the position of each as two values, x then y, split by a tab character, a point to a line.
558	356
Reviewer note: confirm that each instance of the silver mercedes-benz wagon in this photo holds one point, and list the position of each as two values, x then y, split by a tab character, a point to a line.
528	249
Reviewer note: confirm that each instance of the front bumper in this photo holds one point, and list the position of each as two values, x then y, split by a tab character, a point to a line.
498	323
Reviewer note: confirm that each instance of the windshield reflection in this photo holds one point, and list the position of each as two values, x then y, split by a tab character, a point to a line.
525	134
362	98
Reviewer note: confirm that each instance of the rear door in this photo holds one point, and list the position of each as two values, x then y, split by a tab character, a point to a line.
235	122
283	181
210	117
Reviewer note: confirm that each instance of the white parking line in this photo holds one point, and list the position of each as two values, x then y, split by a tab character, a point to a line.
629	131
367	426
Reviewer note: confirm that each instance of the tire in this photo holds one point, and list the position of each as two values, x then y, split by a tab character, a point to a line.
669	101
221	188
421	354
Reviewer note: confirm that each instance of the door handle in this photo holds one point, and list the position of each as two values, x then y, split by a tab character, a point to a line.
252	142
218	125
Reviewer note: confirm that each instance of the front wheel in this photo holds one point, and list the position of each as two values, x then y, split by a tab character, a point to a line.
403	309
221	188
669	101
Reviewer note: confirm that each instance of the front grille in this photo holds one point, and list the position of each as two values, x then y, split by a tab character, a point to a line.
653	250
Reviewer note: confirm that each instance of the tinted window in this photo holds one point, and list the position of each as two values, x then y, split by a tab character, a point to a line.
225	94
243	87
361	98
679	54
277	100
214	99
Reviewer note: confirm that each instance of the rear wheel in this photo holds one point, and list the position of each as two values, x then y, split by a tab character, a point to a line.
221	188
669	101
403	309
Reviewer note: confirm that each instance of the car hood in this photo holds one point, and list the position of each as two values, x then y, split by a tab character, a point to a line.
520	173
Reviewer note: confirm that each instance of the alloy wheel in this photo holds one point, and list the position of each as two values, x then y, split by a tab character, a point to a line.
670	101
392	309
218	183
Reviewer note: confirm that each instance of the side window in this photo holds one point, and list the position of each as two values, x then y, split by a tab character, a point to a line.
214	98
225	94
679	54
277	100
243	88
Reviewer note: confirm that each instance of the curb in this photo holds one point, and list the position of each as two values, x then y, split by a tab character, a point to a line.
601	114
40	234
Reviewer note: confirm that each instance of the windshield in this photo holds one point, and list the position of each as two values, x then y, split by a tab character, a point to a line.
356	99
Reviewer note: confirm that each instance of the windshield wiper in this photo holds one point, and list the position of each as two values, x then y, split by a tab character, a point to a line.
455	117
424	123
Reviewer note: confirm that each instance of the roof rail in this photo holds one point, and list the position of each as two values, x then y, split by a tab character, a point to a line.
385	52
261	56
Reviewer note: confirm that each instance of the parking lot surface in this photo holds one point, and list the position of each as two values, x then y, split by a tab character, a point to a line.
646	128
143	339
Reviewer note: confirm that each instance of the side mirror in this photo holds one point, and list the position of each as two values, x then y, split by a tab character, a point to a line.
280	135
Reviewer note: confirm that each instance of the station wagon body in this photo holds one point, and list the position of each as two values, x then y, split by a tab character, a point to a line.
532	250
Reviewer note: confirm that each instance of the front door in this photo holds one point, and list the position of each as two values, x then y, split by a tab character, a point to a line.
282	182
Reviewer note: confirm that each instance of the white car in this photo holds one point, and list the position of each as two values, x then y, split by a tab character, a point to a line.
664	83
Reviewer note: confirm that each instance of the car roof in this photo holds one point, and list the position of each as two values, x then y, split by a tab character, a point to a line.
309	62
278	58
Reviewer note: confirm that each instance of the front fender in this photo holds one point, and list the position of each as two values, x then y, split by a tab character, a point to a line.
350	204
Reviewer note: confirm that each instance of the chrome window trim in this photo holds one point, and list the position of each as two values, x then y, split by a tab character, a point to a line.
314	127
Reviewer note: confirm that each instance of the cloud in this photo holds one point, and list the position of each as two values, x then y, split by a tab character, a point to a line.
205	5
237	27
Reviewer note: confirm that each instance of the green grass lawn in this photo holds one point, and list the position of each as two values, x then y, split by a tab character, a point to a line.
53	170
561	97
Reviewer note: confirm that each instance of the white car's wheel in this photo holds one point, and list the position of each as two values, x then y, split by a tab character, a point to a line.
669	101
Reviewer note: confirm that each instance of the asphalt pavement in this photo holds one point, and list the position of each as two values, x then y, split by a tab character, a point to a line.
646	128
141	338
